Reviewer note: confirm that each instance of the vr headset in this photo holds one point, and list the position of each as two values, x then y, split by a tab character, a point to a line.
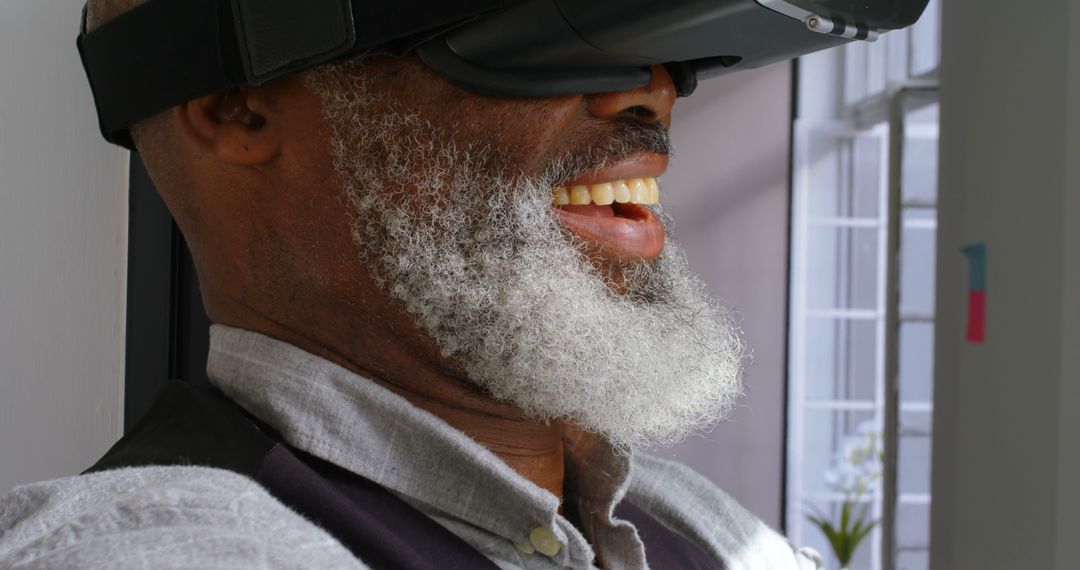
166	52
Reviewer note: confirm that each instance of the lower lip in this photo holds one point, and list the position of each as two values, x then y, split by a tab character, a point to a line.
632	233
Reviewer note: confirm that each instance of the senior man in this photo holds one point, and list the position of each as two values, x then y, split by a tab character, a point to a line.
442	323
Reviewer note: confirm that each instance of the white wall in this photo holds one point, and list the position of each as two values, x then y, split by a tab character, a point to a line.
727	189
63	228
1007	450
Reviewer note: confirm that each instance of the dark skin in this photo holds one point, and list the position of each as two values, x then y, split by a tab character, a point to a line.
248	175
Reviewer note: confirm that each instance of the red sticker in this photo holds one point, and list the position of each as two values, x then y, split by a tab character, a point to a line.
976	329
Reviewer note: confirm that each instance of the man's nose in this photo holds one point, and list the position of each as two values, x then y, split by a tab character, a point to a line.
648	104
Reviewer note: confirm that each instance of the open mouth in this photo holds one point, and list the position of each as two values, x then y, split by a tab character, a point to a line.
612	217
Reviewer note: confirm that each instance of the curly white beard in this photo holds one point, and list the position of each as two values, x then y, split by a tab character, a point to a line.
505	291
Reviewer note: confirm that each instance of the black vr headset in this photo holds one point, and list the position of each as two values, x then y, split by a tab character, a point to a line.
166	52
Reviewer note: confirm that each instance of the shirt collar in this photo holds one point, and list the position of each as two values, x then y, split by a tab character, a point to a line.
351	421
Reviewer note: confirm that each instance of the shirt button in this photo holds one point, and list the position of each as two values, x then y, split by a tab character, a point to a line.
545	542
525	547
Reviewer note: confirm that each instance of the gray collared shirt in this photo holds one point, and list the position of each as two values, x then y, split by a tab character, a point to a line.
334	414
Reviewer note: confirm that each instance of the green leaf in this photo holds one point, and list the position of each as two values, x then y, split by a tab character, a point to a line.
853	529
859	535
827	529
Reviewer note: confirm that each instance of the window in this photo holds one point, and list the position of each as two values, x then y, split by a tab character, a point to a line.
862	291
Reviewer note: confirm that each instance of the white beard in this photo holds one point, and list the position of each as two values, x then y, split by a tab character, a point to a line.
489	273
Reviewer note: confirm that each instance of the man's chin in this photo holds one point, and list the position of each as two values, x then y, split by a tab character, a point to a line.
633	279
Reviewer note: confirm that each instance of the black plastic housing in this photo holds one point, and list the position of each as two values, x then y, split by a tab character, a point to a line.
166	52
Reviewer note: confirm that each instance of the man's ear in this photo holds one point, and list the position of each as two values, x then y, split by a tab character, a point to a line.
233	126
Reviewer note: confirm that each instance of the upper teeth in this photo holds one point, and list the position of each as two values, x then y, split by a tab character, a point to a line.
634	191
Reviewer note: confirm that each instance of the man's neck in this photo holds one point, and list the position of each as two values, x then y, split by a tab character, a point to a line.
533	449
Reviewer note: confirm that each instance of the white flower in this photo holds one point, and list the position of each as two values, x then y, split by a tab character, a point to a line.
858	466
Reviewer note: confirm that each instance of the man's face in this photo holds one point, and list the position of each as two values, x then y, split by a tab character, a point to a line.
578	313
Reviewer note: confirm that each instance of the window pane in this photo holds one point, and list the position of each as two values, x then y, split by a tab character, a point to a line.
916	371
897	50
841	358
925	35
918	254
913	530
827	165
915	423
845	176
920	172
922	110
913	464
867	166
843	268
913	560
877	67
826	432
855	72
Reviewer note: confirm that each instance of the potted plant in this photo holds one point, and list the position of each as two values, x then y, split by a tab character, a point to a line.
855	473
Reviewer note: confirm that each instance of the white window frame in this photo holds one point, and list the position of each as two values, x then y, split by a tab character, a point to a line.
876	113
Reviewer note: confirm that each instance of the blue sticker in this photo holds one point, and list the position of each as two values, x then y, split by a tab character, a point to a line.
976	254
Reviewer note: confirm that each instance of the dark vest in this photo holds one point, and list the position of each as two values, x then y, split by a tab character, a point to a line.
189	426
